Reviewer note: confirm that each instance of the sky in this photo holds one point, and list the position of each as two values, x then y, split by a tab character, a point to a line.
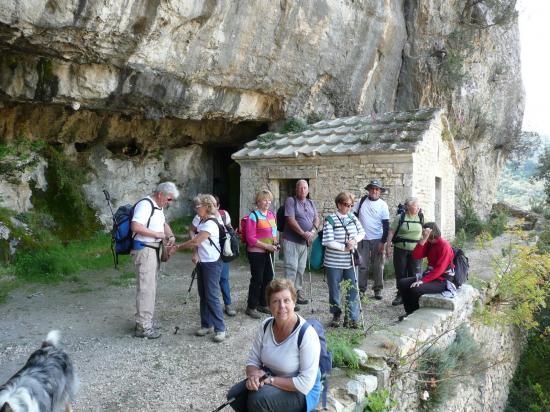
534	27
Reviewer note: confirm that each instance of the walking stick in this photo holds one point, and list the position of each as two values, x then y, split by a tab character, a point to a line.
229	401
358	294
272	264
310	283
193	276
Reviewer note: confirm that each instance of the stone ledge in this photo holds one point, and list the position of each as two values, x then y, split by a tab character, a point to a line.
465	296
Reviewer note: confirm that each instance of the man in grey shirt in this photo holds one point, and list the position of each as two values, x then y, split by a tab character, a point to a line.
302	223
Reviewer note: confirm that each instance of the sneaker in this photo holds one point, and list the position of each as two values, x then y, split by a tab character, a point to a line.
335	322
253	313
263	309
301	300
230	311
204	331
397	301
219	337
378	295
149	333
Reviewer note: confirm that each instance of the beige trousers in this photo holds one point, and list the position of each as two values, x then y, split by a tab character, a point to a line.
146	263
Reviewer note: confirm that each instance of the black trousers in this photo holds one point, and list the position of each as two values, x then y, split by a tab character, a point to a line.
411	296
261	273
404	265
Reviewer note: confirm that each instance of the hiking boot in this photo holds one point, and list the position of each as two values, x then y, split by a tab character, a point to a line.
301	300
352	324
204	331
378	295
335	322
219	337
263	309
230	311
149	333
253	313
397	301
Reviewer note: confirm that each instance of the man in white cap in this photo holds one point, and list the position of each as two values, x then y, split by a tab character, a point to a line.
374	216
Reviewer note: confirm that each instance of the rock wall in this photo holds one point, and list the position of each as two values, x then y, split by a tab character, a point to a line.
436	321
144	74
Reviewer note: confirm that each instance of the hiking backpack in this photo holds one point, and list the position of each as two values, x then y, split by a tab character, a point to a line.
317	256
401	211
325	357
121	234
243	224
462	266
281	218
229	241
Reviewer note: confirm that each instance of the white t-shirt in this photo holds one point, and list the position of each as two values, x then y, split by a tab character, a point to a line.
207	251
285	358
371	215
142	211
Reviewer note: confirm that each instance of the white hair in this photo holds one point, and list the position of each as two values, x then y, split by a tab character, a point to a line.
168	187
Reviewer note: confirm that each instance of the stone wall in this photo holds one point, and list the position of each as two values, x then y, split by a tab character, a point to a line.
437	319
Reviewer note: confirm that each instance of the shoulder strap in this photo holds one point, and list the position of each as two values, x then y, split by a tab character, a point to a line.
152	209
302	332
267	324
224	216
401	220
220	233
330	220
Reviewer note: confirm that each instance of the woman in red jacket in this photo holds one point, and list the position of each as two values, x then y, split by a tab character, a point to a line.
440	260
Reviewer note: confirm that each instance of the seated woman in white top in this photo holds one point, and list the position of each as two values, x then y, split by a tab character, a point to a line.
293	382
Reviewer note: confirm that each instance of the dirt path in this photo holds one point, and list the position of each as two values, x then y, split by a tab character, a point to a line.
121	373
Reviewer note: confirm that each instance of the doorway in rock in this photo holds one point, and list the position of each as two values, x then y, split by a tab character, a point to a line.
226	181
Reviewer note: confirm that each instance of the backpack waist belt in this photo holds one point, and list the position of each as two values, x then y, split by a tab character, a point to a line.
402	239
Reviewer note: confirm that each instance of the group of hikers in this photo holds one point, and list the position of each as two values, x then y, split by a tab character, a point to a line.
282	368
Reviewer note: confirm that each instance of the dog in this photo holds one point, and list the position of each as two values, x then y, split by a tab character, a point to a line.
47	382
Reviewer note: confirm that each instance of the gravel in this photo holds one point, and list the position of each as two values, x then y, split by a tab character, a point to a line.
121	373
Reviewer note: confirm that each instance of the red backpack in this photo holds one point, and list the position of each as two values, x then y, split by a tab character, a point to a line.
242	227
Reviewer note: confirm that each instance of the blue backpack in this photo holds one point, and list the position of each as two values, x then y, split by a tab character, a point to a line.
121	234
325	358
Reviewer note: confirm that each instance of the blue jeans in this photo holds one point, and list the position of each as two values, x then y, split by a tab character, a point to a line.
268	398
224	284
334	278
208	284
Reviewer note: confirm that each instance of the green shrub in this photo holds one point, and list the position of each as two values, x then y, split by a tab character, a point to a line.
294	125
439	369
341	344
380	401
543	244
529	389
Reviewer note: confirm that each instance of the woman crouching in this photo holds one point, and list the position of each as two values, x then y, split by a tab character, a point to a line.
293	384
440	260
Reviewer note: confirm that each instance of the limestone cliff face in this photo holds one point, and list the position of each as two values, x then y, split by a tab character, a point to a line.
136	75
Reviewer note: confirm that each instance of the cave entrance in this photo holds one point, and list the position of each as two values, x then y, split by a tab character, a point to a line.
226	181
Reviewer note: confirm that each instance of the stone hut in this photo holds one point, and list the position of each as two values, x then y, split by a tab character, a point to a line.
412	153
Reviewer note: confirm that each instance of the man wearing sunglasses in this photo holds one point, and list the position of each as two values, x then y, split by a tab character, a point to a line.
374	216
150	229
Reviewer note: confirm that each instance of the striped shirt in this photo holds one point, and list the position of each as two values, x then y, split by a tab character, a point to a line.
334	239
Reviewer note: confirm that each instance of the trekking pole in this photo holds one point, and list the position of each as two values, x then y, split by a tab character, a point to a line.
272	264
229	401
310	283
108	199
358	294
193	276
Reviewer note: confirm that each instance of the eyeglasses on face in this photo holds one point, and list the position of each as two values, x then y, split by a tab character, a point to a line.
347	204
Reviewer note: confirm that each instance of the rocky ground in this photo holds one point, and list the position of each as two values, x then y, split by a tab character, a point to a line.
176	372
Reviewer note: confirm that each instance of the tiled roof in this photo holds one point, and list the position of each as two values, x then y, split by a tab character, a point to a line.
388	132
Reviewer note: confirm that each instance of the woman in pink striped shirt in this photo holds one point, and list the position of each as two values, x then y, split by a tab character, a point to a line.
261	243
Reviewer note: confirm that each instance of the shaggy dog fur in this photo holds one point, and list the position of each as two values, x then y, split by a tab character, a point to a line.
47	382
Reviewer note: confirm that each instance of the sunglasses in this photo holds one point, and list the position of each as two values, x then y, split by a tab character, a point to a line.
347	204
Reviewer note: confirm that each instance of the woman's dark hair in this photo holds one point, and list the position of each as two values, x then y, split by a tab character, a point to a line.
436	233
278	285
